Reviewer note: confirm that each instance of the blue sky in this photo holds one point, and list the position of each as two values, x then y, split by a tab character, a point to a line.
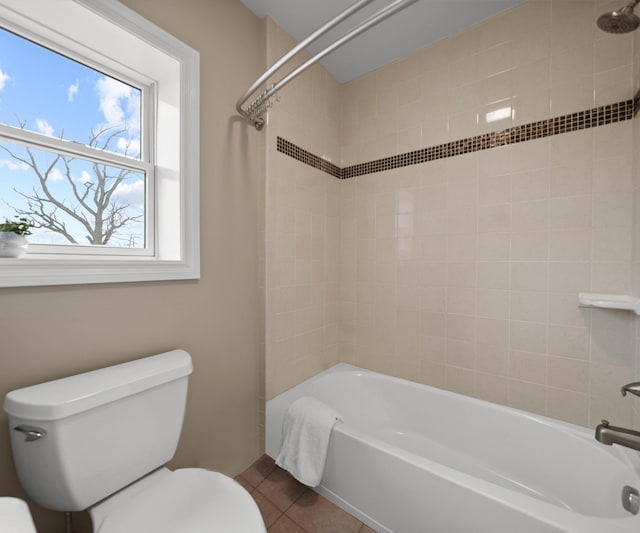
56	96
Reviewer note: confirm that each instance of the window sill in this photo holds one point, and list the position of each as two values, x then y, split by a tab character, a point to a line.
26	271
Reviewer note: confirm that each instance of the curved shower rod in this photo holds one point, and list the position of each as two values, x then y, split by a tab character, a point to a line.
259	106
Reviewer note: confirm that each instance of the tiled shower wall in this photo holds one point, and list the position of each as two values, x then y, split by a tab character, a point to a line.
636	220
302	227
461	272
464	272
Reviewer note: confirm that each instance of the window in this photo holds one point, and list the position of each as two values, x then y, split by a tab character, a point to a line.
98	144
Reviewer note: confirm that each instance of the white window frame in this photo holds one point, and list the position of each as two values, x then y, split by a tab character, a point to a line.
110	34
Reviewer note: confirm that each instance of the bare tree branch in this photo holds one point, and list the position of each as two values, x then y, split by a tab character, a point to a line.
92	202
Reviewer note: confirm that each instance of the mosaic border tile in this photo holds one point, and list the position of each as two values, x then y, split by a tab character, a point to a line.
308	158
591	118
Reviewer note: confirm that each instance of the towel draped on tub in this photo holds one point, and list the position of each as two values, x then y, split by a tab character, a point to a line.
306	430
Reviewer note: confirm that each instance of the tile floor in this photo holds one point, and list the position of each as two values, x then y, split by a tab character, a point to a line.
287	506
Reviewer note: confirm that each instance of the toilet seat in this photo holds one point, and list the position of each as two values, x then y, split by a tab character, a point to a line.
189	500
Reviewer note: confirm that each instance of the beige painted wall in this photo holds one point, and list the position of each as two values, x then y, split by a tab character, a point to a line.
51	332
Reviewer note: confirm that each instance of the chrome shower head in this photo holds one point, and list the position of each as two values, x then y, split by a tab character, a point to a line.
620	21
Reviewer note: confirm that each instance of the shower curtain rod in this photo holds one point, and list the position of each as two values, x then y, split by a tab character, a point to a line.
259	106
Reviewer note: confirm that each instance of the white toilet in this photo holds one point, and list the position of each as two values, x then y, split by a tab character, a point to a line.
99	440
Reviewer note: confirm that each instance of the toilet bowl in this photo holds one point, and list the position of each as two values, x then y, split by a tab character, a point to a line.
99	441
190	500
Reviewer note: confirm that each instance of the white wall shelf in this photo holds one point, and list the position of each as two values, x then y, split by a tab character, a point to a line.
622	302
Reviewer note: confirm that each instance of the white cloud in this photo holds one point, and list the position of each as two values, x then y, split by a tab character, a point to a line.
132	146
56	175
72	91
120	106
44	127
110	93
85	177
13	165
132	193
3	79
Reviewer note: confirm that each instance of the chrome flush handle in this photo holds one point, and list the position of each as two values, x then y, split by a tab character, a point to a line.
31	432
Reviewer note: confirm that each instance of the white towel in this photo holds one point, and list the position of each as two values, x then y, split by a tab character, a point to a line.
306	429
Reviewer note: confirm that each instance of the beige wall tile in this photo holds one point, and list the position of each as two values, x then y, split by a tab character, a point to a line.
433	374
494	189
530	216
572	26
492	359
527	396
612	209
531	155
612	174
494	218
572	64
461	300
463	248
530	367
494	275
529	276
564	311
493	247
611	52
492	388
530	246
570	150
569	406
461	327
613	85
460	353
570	277
529	306
492	331
611	277
460	380
612	244
569	374
612	337
570	213
530	185
464	272
571	180
492	303
528	336
570	245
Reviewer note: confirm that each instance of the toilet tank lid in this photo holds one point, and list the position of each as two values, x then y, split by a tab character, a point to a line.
64	397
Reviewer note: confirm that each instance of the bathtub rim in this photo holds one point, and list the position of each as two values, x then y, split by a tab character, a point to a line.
575	429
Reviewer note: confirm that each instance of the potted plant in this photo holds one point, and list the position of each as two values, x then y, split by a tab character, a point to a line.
13	242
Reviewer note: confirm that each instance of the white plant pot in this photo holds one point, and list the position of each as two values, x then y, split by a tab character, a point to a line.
12	244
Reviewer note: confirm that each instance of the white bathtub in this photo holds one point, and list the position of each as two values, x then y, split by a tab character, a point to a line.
414	459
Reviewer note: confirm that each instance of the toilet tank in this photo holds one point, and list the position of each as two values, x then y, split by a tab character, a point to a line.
102	429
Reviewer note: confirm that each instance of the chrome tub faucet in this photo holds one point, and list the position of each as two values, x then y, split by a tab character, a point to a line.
633	388
608	434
